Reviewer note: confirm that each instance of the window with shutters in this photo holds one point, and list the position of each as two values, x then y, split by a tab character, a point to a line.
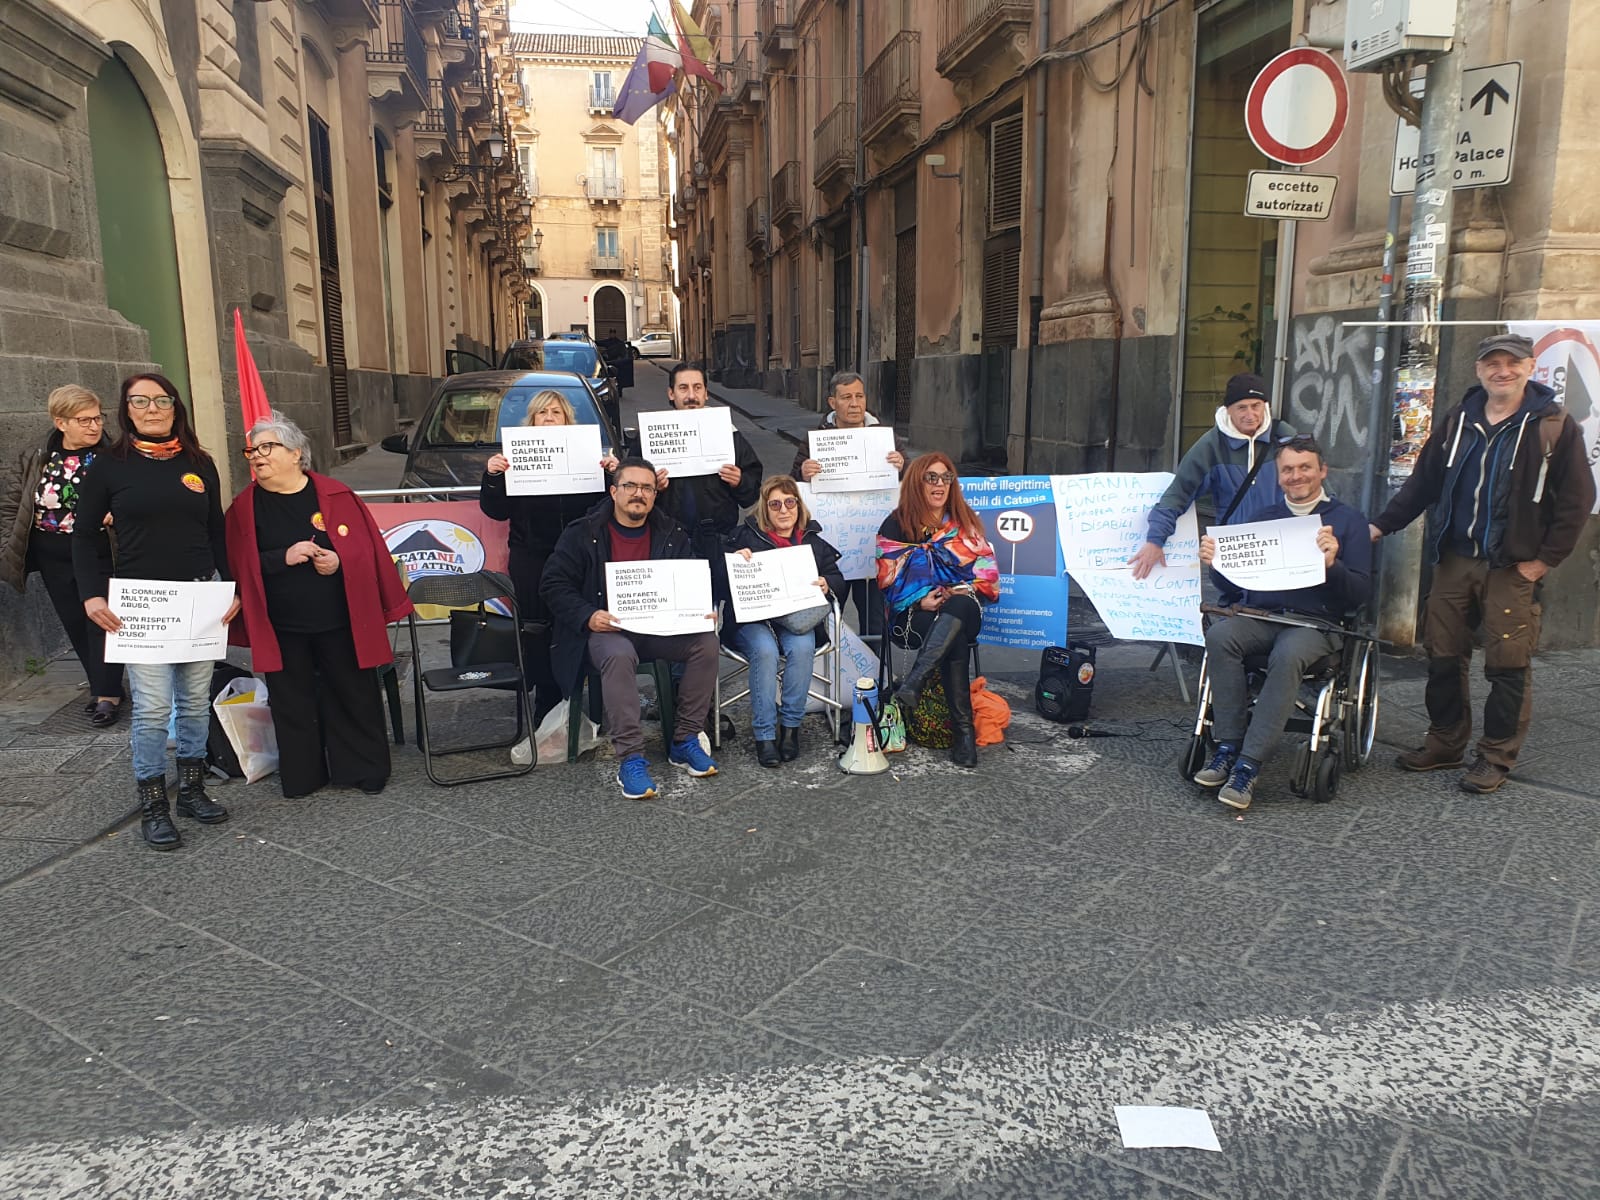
1005	174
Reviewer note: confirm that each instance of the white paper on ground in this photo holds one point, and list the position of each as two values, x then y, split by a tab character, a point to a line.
1149	1126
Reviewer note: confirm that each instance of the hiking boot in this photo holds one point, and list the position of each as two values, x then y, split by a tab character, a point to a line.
192	799
155	823
1215	773
1425	759
1241	786
691	756
1483	777
633	777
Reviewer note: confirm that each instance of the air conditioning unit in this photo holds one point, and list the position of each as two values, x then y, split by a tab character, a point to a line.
1378	31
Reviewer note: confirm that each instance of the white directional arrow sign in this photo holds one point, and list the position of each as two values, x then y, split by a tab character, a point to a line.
1485	132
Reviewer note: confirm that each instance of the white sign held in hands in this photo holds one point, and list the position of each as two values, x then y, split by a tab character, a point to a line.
853	460
690	441
773	583
552	460
661	596
168	621
1276	556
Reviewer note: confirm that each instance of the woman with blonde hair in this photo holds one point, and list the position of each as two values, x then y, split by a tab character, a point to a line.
536	522
781	519
935	569
38	511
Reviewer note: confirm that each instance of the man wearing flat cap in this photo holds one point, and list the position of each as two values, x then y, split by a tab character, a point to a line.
1510	490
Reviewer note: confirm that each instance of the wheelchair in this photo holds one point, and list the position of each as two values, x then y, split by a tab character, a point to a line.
1341	721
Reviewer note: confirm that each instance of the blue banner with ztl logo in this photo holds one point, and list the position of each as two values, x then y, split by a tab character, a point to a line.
1019	515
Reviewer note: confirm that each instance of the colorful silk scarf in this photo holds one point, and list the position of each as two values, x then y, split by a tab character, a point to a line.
170	448
908	571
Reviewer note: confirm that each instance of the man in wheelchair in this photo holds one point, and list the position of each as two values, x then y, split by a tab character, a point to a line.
1290	649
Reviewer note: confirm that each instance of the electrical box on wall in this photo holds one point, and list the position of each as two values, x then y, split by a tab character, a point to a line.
1376	31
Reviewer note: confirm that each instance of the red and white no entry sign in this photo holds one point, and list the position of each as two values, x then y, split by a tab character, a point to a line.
1297	107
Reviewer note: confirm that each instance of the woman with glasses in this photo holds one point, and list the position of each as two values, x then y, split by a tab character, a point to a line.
781	519
38	510
162	492
319	590
536	522
935	568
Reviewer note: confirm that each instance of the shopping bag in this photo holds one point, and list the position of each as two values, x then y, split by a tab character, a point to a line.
990	714
241	709
551	737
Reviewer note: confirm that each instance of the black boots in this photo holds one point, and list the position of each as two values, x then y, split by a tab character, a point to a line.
788	742
942	637
957	680
767	753
192	799
155	817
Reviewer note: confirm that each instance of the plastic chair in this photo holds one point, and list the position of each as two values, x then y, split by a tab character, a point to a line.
463	591
824	669
658	669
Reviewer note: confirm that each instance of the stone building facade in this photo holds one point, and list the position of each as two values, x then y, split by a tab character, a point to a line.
327	168
1071	286
599	258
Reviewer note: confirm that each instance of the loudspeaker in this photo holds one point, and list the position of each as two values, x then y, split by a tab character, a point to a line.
1066	682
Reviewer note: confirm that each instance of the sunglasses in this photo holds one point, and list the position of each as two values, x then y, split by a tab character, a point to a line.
144	402
939	478
261	449
783	504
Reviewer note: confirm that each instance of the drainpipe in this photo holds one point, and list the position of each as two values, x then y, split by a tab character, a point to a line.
1036	234
1116	336
859	193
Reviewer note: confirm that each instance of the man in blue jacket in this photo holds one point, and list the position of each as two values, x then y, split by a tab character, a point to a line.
1217	465
1291	649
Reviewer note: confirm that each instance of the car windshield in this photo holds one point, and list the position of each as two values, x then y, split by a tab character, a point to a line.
475	416
577	357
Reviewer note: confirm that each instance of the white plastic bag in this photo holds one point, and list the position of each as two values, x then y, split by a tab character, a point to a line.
551	737
242	711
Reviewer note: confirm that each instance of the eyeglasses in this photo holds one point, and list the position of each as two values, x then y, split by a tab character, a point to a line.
642	489
777	504
87	422
260	449
144	402
939	478
1299	441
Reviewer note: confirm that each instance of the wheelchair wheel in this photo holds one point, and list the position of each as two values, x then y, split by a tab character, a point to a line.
1361	709
1326	785
1194	756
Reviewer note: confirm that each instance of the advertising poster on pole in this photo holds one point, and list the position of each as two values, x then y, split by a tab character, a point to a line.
1019	516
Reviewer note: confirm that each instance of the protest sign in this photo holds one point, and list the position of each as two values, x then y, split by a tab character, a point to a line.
1019	517
1270	556
690	441
774	583
168	622
661	596
1101	519
853	460
553	460
1165	607
850	523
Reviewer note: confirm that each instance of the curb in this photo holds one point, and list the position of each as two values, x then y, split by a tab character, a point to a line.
749	416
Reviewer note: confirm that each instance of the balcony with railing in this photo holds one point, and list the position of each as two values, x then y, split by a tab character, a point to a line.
891	95
530	259
602	99
755	222
397	58
744	78
786	203
776	23
976	36
833	149
600	262
438	129
603	189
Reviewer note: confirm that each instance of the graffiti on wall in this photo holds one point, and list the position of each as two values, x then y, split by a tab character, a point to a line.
1331	386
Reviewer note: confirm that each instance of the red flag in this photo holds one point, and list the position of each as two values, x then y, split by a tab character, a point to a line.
252	396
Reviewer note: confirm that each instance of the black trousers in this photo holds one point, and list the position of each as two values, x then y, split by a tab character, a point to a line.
51	555
328	713
527	569
911	628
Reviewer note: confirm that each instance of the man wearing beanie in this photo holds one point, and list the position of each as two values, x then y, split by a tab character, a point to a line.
1510	489
1218	465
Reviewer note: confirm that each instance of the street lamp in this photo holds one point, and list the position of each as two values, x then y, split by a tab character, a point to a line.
525	211
497	147
538	238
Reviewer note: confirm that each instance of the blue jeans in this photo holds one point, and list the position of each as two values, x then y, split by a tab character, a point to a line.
761	643
155	687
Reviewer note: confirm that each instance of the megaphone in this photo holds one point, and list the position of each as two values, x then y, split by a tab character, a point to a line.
864	755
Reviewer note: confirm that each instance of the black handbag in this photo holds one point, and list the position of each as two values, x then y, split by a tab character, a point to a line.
478	636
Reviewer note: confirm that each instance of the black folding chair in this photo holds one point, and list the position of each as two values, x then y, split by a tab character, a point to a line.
462	591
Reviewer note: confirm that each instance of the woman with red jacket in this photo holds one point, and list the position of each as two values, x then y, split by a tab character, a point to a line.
318	589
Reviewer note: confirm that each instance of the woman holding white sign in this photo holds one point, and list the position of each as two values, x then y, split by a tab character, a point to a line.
535	524
781	520
935	568
164	497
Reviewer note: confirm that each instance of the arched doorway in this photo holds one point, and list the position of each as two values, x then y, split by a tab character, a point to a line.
137	246
610	314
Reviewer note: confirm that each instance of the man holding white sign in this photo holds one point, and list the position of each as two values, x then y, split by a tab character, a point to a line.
1346	556
628	531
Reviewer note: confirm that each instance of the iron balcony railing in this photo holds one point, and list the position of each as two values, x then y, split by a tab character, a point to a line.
834	146
602	99
603	187
755	221
400	41
786	191
604	262
893	83
968	30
